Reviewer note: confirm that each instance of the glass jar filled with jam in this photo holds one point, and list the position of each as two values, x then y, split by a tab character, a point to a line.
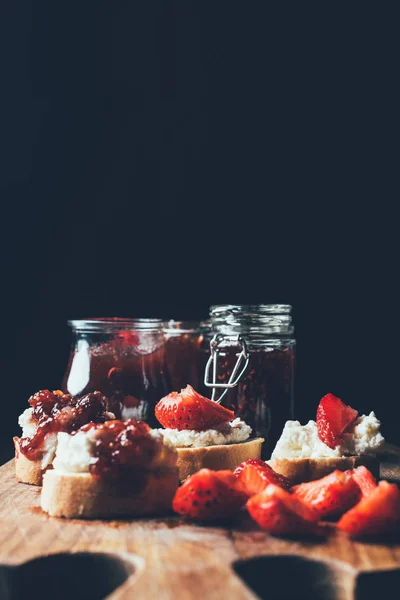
122	358
251	366
184	351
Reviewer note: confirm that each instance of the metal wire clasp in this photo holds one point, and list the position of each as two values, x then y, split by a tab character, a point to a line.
241	364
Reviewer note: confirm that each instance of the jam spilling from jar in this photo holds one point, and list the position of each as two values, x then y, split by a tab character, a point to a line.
123	451
263	397
55	411
129	368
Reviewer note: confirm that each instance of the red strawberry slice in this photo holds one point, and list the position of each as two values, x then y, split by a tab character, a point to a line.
379	512
209	495
190	410
280	512
255	475
364	479
333	418
332	495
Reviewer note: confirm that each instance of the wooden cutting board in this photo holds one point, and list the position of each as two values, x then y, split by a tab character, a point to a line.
169	559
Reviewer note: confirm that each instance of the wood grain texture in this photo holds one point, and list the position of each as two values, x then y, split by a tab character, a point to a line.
175	559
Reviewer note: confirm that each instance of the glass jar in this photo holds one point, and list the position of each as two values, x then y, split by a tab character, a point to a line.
186	360
262	338
122	358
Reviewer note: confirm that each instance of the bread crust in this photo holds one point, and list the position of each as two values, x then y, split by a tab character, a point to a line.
82	496
218	457
27	471
300	470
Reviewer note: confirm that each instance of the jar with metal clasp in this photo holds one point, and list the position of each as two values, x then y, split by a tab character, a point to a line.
122	358
251	366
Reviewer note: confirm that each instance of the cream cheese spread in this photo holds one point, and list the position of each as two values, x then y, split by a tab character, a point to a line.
49	444
75	453
26	423
302	441
364	437
231	433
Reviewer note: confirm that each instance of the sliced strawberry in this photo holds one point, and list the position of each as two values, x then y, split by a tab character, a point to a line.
280	512
190	410
255	475
379	512
209	495
332	495
364	479
333	418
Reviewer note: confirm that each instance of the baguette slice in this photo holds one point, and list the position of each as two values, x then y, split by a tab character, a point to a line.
27	471
218	457
300	470
82	496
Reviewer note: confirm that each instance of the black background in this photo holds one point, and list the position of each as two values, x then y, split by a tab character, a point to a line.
160	157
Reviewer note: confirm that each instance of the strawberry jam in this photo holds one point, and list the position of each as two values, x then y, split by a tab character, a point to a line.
185	356
124	359
263	396
55	411
121	449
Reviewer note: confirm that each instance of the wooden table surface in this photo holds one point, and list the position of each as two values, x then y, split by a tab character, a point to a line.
171	559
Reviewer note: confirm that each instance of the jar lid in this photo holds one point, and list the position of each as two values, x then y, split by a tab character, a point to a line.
258	319
110	324
249	309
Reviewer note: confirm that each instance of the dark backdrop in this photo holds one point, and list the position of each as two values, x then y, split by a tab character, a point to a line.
164	156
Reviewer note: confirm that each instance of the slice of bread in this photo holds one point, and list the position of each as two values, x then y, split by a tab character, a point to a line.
27	471
82	496
300	470
219	457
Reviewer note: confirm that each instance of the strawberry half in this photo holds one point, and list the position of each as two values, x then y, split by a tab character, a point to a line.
190	410
333	418
364	479
379	512
331	496
280	512
255	475
209	495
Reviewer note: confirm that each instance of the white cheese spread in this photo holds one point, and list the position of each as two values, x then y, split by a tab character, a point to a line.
49	445
26	423
232	433
49	448
302	441
75	453
364	437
